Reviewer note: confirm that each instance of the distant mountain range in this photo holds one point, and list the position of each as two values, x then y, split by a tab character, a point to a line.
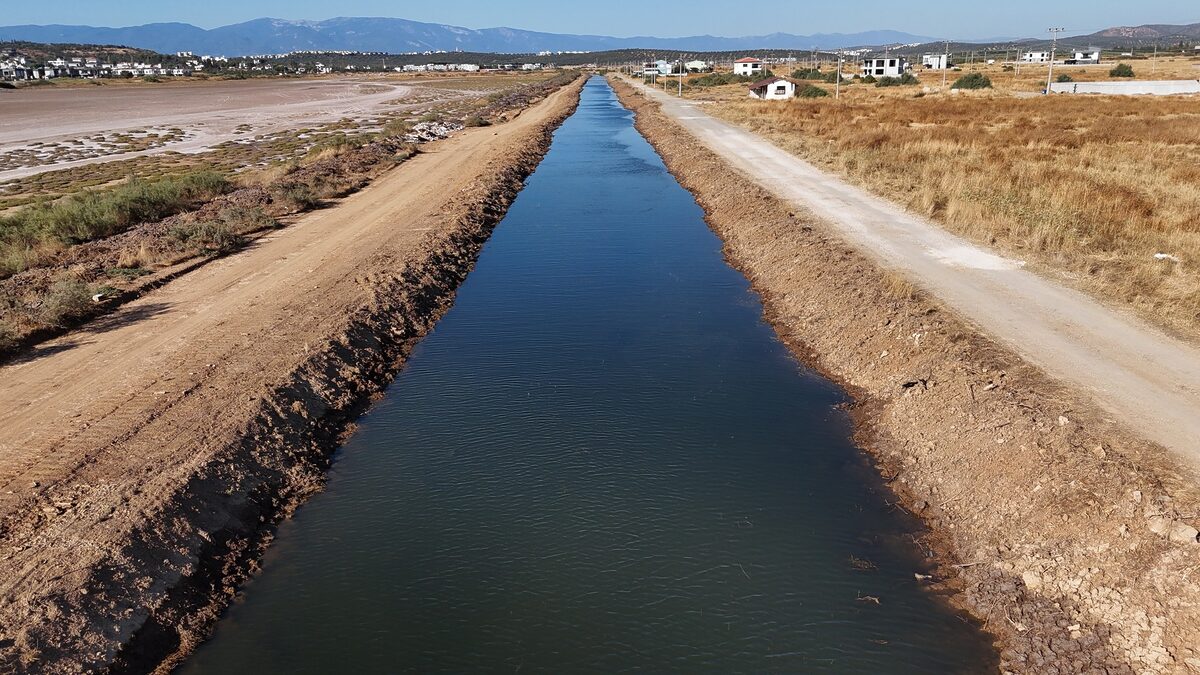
273	36
368	34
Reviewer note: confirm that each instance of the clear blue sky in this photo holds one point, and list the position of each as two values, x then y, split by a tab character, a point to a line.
664	18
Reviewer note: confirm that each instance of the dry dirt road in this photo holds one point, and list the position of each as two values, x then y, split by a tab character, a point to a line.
102	429
1145	379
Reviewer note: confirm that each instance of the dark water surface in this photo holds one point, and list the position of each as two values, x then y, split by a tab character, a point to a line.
601	460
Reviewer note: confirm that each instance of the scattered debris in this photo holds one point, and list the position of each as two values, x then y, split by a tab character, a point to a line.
424	132
1167	256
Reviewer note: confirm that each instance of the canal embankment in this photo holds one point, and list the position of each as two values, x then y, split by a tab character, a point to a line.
148	457
1071	539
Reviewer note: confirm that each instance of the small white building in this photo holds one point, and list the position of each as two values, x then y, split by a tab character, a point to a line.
1085	57
1035	57
773	89
936	61
748	67
891	66
697	66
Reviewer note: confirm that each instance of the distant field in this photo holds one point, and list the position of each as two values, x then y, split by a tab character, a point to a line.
1090	188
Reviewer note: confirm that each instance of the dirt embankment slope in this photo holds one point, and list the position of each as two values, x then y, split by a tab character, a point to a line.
1073	542
144	458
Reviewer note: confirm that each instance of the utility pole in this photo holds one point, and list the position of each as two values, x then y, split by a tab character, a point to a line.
681	71
945	62
1053	47
837	79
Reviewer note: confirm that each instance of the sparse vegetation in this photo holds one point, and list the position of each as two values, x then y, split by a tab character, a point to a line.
38	231
1064	78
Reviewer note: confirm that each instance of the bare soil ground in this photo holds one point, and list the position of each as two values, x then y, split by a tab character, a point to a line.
144	458
49	128
1072	541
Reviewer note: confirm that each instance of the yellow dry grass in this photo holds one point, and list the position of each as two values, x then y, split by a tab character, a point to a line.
1088	187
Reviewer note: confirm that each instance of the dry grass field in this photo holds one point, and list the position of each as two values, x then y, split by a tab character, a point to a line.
1090	188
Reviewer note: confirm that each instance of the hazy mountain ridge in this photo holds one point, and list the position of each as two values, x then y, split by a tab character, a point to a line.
263	36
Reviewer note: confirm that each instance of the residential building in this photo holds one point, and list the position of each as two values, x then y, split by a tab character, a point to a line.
1035	57
1085	57
748	67
889	66
936	61
697	66
773	89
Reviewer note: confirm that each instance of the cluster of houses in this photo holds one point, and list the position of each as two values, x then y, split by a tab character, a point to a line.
467	67
20	68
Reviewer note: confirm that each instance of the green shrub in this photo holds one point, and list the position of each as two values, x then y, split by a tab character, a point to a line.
296	196
808	74
476	121
905	79
832	78
869	79
972	81
94	214
811	91
1121	70
8	335
1064	78
67	300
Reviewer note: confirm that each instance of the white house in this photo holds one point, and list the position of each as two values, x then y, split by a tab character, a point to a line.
1036	57
697	66
664	68
747	67
773	89
891	66
1082	57
936	61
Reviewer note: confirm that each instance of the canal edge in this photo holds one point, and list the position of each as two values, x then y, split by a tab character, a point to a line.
281	456
989	452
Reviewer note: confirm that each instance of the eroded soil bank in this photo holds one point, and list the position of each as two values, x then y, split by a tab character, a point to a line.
164	490
1073	542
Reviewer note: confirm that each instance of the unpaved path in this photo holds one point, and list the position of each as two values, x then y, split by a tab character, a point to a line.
129	449
1144	378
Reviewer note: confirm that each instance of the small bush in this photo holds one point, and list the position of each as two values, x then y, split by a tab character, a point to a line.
296	196
8	335
832	78
207	236
1121	70
151	78
869	79
476	121
811	91
972	81
808	74
1008	69
7	85
66	300
905	79
1064	78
